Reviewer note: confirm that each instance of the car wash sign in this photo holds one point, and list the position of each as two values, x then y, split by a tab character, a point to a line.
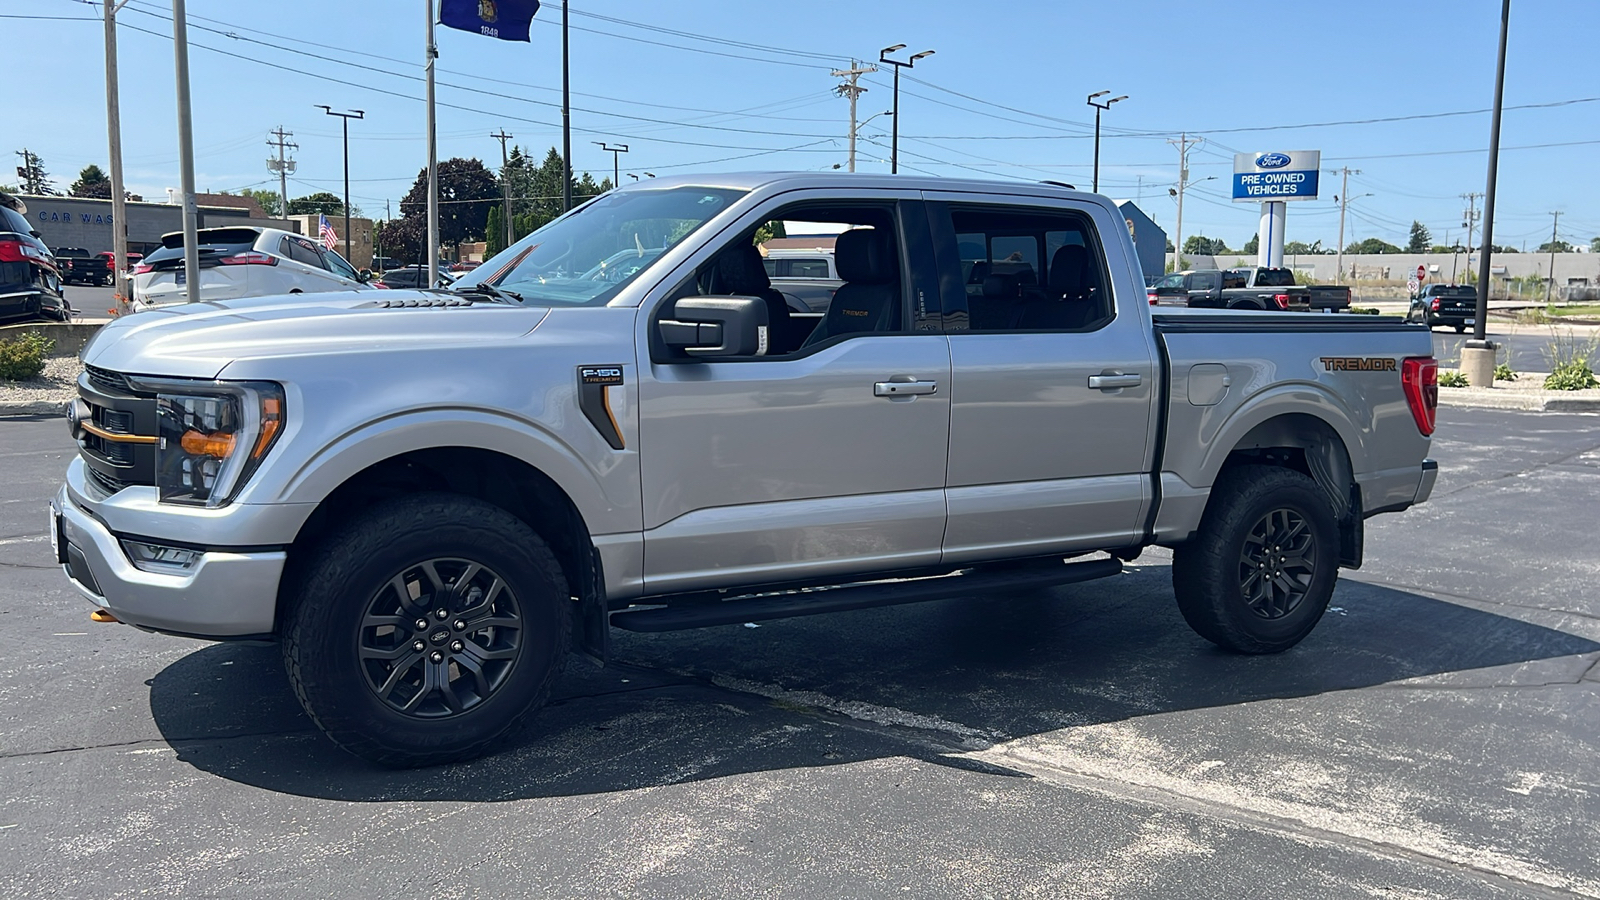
1275	175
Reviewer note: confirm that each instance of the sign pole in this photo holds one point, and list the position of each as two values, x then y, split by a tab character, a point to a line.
191	208
119	205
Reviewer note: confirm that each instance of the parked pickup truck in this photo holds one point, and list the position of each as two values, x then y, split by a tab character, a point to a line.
1249	288
1455	305
428	498
79	266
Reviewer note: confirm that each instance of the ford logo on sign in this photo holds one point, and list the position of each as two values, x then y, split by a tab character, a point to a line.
1272	160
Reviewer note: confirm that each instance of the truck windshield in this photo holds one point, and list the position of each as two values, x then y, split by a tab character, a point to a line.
587	257
1274	278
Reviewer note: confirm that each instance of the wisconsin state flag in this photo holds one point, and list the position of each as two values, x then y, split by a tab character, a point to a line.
507	20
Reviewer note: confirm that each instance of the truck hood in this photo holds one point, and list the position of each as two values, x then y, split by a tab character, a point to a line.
198	340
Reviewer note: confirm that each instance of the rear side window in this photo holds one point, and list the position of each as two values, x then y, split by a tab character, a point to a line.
302	251
11	220
1274	278
1030	269
1464	291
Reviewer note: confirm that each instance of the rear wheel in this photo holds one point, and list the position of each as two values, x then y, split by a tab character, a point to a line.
427	630
1258	576
1460	329
1246	304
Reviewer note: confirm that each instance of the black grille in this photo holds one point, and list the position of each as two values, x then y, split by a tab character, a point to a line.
109	380
108	483
115	420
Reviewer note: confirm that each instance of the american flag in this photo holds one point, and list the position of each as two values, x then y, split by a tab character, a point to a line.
325	231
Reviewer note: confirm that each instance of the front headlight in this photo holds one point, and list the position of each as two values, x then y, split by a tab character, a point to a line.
213	435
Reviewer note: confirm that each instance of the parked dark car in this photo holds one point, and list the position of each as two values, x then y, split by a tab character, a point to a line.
412	277
1455	305
79	266
110	259
30	283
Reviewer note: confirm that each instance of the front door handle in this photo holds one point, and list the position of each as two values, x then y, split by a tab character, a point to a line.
1114	382
904	388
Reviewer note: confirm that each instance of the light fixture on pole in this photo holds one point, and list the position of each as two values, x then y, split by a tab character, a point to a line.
1098	109
345	117
616	155
883	57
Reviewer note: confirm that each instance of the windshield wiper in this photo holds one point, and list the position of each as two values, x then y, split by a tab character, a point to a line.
489	290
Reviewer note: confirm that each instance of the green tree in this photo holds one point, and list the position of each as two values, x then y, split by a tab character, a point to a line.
770	230
1421	239
92	182
1301	248
1556	246
495	229
1253	245
1594	245
35	180
1200	245
1372	245
467	191
271	202
323	203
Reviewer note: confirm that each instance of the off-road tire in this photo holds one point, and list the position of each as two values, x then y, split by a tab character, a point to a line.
327	635
1247	304
1211	573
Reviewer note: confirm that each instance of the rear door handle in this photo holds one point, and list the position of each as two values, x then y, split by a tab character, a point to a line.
1114	382
904	388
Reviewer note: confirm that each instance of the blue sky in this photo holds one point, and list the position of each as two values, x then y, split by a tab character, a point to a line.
746	85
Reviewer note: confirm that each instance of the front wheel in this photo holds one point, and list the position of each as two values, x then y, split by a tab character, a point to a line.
1258	576
426	630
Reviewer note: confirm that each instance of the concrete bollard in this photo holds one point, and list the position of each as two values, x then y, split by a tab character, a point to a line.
1477	363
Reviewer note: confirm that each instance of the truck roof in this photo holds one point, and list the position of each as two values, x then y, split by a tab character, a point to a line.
750	181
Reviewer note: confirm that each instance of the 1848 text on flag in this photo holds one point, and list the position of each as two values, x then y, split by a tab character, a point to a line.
507	20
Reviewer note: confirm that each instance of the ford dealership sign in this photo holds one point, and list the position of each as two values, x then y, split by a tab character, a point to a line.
1261	177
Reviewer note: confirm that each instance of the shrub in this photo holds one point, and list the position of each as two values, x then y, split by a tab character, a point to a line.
1363	311
23	356
1449	378
1571	376
1502	372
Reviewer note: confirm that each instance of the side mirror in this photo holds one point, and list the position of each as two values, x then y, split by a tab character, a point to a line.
364	275
717	327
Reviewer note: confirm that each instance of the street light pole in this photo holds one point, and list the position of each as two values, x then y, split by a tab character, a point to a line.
1099	108
119	205
346	117
191	208
616	154
883	57
1477	357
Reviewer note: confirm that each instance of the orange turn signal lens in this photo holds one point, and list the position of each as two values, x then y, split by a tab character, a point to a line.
219	444
271	421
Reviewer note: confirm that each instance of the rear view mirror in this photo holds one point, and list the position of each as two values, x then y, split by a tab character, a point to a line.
717	327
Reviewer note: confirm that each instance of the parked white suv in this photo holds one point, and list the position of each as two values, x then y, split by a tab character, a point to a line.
242	261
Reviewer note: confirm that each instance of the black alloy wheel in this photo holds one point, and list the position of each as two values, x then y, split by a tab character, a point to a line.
440	637
1277	563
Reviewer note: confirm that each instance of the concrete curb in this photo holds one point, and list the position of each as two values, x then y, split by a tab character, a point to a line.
1542	401
12	408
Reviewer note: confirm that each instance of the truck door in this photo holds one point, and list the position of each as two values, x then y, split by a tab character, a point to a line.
1052	379
826	456
1205	288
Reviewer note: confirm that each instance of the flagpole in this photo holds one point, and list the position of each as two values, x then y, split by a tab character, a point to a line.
433	162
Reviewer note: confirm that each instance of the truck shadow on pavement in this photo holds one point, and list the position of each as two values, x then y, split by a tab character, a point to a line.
922	681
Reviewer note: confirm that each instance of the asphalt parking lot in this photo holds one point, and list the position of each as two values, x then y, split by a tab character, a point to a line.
1436	737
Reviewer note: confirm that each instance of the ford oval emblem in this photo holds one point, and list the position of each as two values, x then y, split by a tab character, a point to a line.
1272	160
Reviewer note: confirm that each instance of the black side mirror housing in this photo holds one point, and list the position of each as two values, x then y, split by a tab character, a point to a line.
717	327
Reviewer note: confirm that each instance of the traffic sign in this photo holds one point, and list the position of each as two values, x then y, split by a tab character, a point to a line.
1412	285
1422	273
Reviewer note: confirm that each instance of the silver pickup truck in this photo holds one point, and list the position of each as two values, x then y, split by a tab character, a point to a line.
429	498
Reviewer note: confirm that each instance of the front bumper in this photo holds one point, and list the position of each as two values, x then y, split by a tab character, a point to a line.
224	594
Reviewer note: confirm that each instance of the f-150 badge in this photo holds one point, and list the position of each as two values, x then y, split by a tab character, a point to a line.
594	399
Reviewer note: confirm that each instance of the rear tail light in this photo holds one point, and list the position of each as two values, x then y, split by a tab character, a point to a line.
1420	377
1435	305
1282	300
143	268
19	251
249	258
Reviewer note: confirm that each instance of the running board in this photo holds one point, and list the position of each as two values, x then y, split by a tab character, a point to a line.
861	596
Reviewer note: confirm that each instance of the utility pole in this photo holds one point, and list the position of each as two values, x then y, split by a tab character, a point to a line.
852	91
1550	285
119	200
1470	215
431	245
616	154
1183	144
283	166
505	179
1344	204
34	178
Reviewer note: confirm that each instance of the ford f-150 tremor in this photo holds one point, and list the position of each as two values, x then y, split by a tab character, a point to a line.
428	498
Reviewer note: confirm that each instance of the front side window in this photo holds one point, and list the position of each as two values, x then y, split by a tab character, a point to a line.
338	266
586	257
1028	269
